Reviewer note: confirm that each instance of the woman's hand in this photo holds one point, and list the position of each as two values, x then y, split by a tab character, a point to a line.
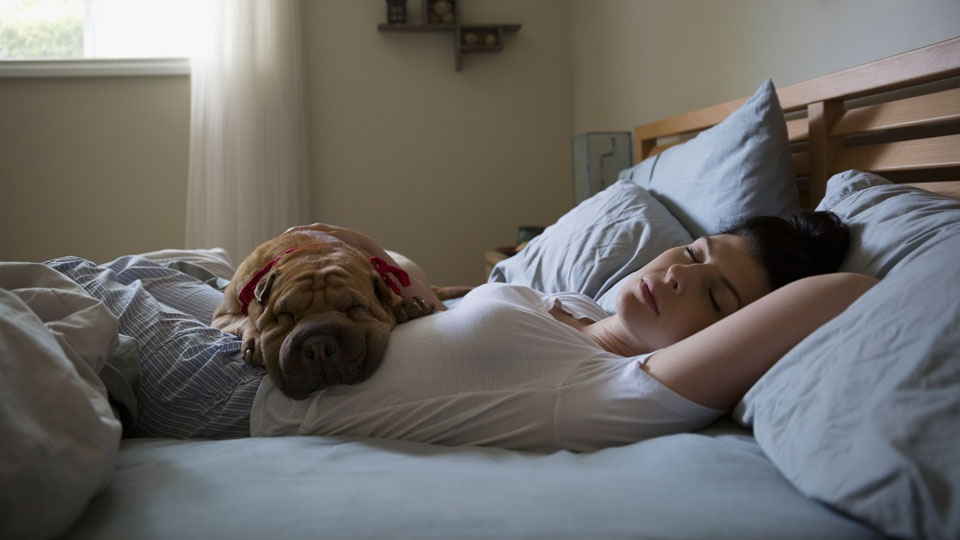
417	287
350	236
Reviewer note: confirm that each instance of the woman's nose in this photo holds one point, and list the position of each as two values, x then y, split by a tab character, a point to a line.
679	276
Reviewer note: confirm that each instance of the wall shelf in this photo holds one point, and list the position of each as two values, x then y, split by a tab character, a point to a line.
467	38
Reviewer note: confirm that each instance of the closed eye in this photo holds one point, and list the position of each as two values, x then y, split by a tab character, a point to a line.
355	300
713	299
358	307
295	301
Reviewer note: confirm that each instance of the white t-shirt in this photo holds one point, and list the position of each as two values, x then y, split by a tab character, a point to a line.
496	370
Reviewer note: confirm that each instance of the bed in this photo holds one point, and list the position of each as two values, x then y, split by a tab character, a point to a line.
852	434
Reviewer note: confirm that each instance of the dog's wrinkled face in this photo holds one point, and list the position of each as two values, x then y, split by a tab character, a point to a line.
323	319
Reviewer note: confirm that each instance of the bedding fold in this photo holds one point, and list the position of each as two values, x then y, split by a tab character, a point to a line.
60	436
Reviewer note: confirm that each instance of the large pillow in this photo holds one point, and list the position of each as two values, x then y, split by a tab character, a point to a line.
59	436
891	224
741	167
594	246
216	261
864	414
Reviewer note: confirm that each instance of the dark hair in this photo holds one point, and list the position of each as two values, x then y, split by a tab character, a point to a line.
803	245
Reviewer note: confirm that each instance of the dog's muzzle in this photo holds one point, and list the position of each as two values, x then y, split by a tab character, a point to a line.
324	350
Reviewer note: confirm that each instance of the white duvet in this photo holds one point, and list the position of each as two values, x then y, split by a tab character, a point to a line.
59	436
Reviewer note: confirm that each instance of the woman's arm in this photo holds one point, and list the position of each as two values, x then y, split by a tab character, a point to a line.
716	366
360	240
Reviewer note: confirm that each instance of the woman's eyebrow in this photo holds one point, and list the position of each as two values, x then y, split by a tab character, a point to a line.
726	282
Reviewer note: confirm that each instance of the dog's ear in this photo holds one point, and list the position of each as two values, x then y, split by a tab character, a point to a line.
384	294
263	287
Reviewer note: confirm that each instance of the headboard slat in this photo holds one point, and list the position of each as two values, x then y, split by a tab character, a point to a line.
680	124
798	130
928	153
660	148
911	125
933	62
822	116
940	106
801	163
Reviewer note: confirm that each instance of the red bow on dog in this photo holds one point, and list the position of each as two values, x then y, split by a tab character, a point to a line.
382	267
385	269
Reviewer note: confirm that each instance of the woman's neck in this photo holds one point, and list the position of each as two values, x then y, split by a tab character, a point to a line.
610	334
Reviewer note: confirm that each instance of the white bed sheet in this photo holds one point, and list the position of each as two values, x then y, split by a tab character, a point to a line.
715	484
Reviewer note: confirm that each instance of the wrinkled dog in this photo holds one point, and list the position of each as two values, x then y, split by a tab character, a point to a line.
314	310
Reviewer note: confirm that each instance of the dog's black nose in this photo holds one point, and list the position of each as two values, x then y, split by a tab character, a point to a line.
319	348
322	351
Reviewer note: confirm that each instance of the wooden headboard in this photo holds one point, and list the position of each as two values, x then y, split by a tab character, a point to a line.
898	117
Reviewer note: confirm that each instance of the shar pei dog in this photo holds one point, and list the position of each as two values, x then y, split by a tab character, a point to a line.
314	310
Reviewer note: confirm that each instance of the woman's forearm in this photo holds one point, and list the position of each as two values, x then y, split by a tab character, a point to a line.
716	366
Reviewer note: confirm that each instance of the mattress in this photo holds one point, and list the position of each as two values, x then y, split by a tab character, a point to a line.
713	484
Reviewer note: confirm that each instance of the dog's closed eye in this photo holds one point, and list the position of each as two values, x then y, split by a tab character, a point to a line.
294	301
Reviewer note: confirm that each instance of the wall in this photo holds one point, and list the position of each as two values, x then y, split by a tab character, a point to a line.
95	167
437	164
434	163
640	61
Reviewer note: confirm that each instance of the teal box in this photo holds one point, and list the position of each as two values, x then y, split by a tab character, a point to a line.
598	159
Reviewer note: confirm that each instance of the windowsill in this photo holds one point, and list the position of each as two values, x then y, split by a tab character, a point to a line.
95	67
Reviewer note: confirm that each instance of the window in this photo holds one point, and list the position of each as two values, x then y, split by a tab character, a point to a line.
40	34
41	29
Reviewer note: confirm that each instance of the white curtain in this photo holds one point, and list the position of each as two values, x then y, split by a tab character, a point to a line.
248	175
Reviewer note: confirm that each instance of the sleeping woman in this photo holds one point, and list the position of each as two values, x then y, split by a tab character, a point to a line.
508	366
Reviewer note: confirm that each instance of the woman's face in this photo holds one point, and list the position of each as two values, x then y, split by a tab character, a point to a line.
688	288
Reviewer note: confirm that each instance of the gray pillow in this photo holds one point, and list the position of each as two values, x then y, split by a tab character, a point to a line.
594	246
741	167
891	224
864	414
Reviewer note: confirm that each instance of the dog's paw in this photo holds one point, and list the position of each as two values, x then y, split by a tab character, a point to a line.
412	308
250	349
250	343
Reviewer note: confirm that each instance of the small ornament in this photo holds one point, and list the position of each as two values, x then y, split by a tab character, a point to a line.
397	11
440	11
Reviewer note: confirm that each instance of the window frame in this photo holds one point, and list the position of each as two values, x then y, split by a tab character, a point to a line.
95	67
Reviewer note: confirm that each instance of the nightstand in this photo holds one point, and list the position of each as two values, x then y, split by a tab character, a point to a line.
490	259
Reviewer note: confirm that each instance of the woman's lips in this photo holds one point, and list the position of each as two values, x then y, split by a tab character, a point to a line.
649	298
